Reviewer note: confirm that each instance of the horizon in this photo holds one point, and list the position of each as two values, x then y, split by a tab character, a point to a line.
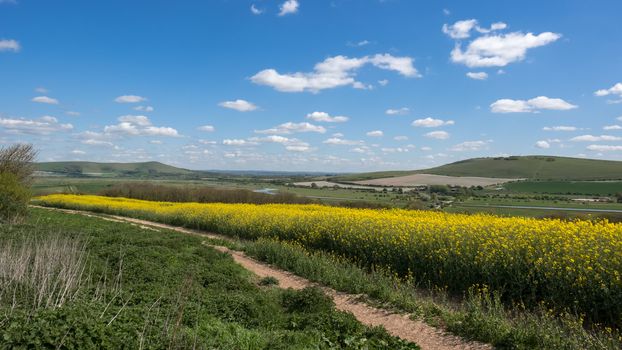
260	86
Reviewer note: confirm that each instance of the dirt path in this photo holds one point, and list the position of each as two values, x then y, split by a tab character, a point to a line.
427	337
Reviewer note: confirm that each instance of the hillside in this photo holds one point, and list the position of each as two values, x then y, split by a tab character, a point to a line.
525	167
112	169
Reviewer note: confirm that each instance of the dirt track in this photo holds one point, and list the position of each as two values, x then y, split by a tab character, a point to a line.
427	337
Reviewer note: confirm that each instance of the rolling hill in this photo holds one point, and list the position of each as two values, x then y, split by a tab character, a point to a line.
515	167
145	169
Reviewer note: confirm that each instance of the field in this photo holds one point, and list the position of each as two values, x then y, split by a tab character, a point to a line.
116	285
429	179
566	265
588	188
516	167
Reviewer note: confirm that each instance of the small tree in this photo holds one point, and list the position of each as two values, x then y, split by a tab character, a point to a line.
619	197
16	169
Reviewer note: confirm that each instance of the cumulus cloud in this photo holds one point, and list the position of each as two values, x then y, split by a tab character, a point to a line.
604	148
592	138
333	72
615	91
288	7
144	108
73	113
129	99
431	122
138	125
560	128
469	146
530	106
9	45
255	10
78	152
45	99
375	133
340	141
543	144
325	117
238	142
398	111
439	135
239	105
291	144
491	49
400	138
42	126
612	127
477	75
289	128
206	128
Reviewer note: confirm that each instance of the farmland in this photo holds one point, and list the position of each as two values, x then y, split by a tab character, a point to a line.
139	288
524	259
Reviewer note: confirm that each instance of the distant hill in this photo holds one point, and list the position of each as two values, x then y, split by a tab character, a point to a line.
515	167
145	169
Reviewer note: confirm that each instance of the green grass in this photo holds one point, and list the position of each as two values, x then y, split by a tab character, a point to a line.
162	289
528	167
588	188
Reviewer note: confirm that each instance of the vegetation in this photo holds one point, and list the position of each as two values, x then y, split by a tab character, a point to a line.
74	282
527	167
563	265
586	188
146	169
164	193
480	315
15	178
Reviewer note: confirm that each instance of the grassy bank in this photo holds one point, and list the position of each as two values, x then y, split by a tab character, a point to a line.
128	287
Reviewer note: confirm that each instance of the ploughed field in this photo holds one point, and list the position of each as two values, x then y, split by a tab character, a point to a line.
563	265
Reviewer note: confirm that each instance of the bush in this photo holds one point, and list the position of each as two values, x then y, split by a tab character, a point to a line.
14	198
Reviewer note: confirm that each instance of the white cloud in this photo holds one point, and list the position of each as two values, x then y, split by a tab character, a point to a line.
289	127
129	99
42	90
144	108
238	142
325	117
206	128
604	148
375	133
400	138
530	106
469	146
592	138
439	135
399	111
239	105
560	128
139	125
614	90
45	99
461	29
394	150
431	122
255	10
543	144
155	142
78	152
73	113
42	126
383	82
140	120
333	72
477	75
496	50
288	7
337	134
359	43
340	141
612	127
426	148
9	45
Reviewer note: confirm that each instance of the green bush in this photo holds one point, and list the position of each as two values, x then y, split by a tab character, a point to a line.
14	197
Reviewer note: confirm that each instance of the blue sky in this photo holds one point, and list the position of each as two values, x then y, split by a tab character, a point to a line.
341	85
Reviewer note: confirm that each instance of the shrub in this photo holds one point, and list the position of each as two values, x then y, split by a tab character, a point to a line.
14	198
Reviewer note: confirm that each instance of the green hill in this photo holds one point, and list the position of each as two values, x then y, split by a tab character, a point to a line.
528	167
145	169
